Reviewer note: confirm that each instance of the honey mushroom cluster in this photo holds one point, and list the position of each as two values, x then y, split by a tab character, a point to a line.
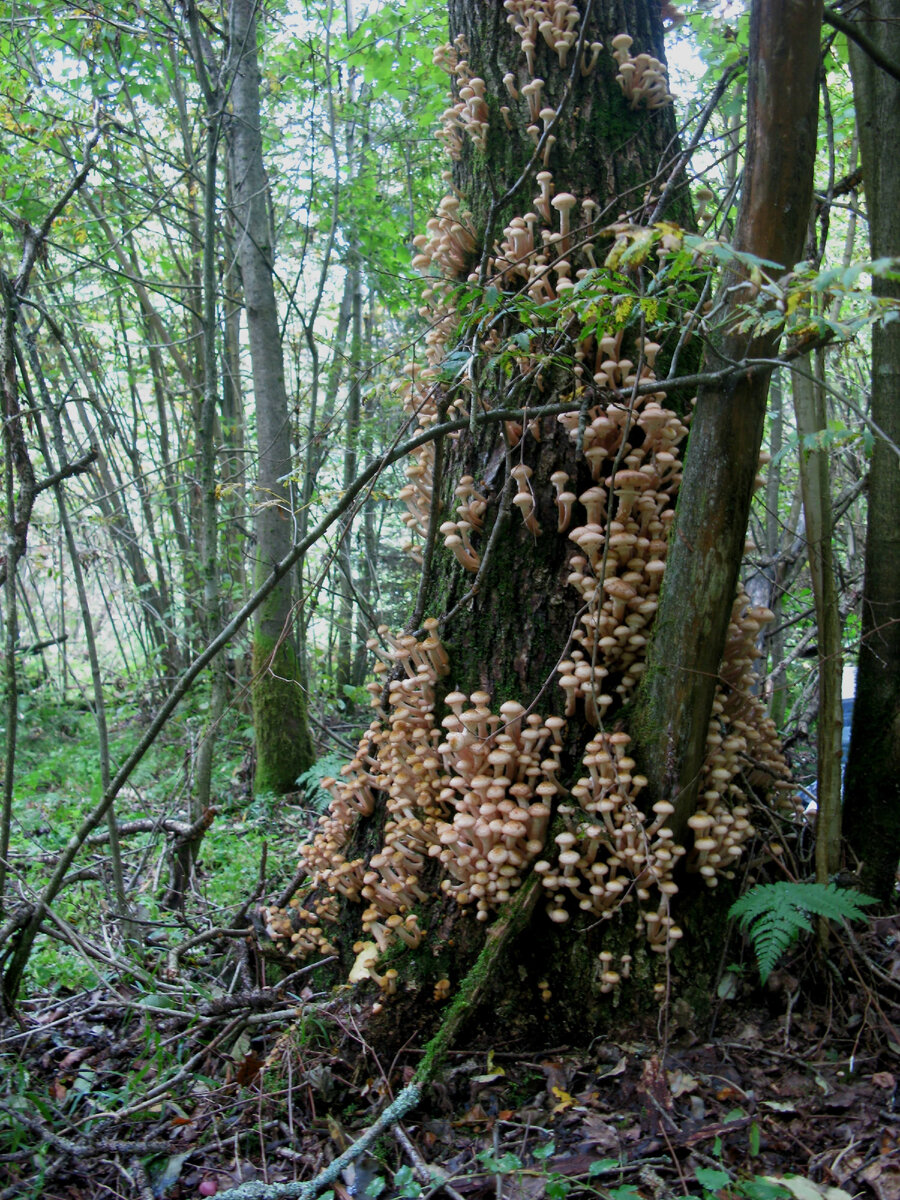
643	78
301	928
449	244
742	739
609	853
556	21
475	791
469	114
628	550
539	259
446	246
501	793
546	269
639	855
470	513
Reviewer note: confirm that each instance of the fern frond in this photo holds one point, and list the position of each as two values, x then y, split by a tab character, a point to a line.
775	914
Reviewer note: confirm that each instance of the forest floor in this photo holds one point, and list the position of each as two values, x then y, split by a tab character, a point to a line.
178	1072
114	1092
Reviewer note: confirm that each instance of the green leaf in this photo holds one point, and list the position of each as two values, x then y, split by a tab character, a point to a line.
602	1166
406	1183
557	1187
711	1179
774	914
754	1138
763	1189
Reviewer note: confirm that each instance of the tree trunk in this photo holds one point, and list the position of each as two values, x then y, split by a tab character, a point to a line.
283	744
726	434
497	774
345	556
810	415
872	785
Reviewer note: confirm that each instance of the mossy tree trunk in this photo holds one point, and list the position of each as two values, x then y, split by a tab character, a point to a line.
536	621
872	786
726	434
508	639
283	743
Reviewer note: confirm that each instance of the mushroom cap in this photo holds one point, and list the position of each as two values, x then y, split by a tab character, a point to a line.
618	589
631	480
563	200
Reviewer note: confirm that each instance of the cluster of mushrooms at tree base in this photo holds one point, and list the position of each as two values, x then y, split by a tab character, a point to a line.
471	798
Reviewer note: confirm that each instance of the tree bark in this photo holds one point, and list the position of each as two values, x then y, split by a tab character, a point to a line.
702	570
508	639
283	744
810	413
872	782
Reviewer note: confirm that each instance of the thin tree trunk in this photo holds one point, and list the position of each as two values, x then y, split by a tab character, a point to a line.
704	561
344	665
872	815
777	683
283	744
115	852
18	468
810	414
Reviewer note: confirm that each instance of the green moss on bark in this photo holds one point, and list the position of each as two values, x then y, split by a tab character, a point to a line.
284	747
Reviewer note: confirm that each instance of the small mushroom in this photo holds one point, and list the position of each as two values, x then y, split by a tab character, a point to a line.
564	202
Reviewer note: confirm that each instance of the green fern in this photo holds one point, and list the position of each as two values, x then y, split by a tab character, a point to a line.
774	914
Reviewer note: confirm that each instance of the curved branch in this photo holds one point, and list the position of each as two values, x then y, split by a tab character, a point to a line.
851	30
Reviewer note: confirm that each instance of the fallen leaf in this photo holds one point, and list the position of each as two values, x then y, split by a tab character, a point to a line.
564	1100
248	1069
805	1189
555	1074
74	1057
618	1069
600	1133
884	1179
680	1083
475	1116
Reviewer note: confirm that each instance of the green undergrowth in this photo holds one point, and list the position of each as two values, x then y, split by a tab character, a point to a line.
57	783
532	1173
774	915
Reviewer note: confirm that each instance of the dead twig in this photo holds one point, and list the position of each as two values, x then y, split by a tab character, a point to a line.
424	1173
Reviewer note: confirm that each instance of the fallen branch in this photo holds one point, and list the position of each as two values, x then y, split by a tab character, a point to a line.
395	1111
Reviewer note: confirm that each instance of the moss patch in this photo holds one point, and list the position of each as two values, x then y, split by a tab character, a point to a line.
284	748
